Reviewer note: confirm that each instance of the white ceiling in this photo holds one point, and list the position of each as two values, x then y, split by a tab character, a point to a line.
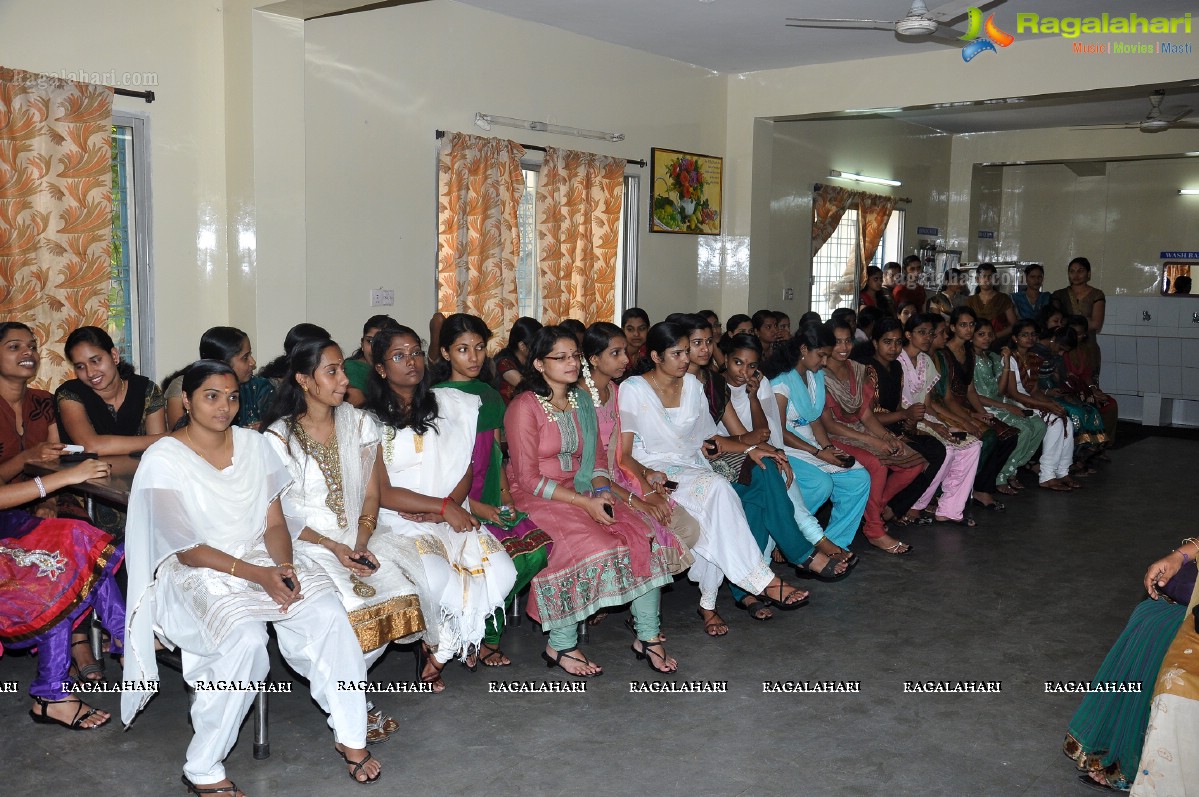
732	36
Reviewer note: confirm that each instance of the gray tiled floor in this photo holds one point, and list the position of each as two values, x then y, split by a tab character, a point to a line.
1037	593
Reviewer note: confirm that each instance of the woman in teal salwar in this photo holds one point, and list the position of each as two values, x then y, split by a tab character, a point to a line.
463	343
991	370
1106	735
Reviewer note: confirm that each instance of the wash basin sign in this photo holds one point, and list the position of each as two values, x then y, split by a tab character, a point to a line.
992	36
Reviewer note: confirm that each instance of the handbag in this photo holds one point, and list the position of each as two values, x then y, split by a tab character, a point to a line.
1180	588
736	468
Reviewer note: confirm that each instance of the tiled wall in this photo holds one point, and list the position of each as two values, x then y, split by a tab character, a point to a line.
1150	349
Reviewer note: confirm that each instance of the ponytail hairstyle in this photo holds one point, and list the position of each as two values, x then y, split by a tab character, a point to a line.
661	336
195	375
809	336
289	402
541	345
101	340
453	327
277	368
421	414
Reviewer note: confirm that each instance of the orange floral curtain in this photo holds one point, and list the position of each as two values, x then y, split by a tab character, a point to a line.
480	185
55	209
874	211
829	204
579	197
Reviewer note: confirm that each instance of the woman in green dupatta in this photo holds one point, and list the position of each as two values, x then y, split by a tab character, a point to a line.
463	344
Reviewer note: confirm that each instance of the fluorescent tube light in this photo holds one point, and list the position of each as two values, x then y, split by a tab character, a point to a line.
862	178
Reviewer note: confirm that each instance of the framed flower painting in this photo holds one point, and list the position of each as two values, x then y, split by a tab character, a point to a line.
685	194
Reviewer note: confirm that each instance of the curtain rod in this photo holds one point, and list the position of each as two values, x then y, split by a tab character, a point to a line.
637	161
148	96
908	200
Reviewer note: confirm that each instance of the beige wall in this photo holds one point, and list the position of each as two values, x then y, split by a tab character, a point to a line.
379	84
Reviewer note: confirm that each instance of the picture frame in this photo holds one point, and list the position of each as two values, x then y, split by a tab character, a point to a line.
685	192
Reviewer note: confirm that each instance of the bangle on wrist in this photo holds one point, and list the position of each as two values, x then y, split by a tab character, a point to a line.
631	497
751	448
41	486
233	566
444	503
286	564
603	489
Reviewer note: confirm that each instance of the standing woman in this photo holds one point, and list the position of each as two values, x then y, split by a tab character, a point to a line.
1057	448
463	347
1032	300
604	555
991	374
1079	298
668	434
510	360
920	376
359	365
232	347
210	564
428	442
850	424
796	375
990	304
107	408
331	450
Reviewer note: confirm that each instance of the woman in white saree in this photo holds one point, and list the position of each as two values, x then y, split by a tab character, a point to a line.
428	443
666	426
210	564
330	449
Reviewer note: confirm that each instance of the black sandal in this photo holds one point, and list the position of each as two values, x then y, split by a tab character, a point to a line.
88	670
966	521
780	602
712	622
556	661
76	723
1090	782
356	767
994	506
194	789
827	573
754	609
647	652
493	652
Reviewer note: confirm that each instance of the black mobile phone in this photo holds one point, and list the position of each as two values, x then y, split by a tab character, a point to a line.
710	446
608	509
846	461
958	435
362	560
287	582
670	484
80	457
137	454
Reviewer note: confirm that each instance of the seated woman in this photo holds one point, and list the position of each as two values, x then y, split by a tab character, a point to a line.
991	305
463	347
920	376
276	370
511	360
963	406
1080	382
796	375
1057	447
991	374
232	347
1106	737
1054	381
873	294
667	429
210	564
849	422
887	375
635	324
331	451
603	554
359	366
952	294
53	572
751	401
428	443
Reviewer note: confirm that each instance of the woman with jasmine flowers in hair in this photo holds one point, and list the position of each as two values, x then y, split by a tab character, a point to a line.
331	450
428	441
464	367
604	555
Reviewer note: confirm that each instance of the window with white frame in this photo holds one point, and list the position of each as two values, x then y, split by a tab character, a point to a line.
130	318
528	282
836	274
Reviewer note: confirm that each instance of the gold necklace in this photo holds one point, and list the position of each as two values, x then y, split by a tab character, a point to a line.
658	387
194	447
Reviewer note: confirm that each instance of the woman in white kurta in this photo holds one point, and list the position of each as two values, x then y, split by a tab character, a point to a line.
210	564
1057	448
665	422
330	449
428	442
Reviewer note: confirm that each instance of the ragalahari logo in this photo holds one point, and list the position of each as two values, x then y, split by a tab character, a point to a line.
993	35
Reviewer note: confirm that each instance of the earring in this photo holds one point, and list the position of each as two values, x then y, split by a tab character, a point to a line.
304	388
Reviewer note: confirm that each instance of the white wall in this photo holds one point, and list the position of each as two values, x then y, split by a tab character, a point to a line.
380	83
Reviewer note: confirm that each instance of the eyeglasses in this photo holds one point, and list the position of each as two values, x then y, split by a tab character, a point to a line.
400	356
561	358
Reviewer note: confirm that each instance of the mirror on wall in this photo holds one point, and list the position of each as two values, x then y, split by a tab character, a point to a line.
1176	277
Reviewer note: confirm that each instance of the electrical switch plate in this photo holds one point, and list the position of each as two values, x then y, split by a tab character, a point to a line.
382	298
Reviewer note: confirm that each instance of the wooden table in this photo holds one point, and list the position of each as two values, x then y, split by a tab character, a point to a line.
114	488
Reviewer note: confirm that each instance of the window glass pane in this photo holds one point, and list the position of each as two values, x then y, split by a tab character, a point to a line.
528	288
122	323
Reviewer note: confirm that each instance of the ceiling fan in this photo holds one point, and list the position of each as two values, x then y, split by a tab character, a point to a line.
920	22
1155	121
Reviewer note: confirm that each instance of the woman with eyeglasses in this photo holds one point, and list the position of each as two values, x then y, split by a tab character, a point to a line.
359	364
331	451
426	477
604	555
